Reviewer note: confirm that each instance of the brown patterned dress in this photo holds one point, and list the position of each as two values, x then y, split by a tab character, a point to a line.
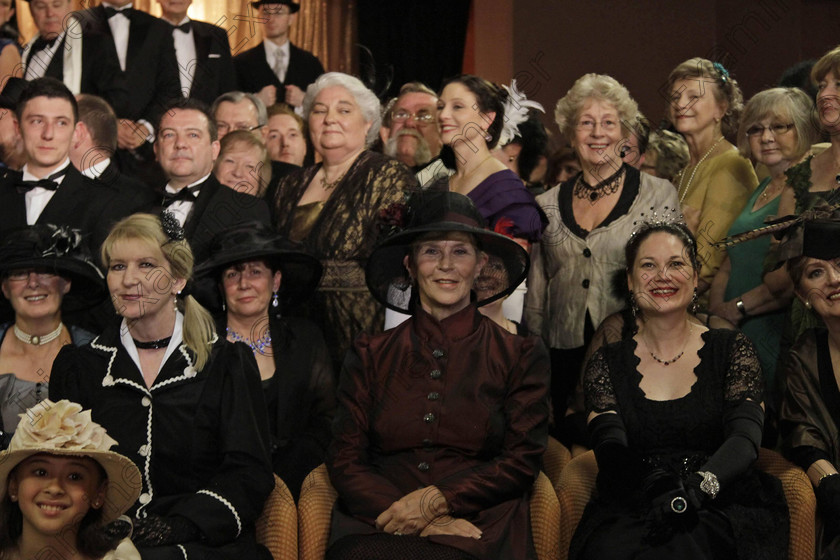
341	232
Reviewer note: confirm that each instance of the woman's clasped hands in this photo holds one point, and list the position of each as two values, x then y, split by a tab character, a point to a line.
424	512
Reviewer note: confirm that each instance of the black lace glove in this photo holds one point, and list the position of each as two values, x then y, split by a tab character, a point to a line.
155	530
828	502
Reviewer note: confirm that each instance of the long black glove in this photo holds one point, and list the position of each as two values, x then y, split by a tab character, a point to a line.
743	426
620	471
155	530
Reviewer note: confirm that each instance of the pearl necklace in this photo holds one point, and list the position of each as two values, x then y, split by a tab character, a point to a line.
36	340
258	345
693	171
675	358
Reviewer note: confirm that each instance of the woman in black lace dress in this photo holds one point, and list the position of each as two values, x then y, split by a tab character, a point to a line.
675	420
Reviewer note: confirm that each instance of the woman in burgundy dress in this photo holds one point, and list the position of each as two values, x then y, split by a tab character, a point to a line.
442	420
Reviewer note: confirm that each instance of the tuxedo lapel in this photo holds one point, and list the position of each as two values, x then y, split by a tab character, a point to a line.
202	50
12	203
205	195
137	31
66	198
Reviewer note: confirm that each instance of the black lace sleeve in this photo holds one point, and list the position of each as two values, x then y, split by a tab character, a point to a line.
744	379
598	391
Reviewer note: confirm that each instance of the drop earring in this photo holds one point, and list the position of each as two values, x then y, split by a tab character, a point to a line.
275	301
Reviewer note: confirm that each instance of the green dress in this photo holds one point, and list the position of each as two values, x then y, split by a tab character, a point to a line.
747	259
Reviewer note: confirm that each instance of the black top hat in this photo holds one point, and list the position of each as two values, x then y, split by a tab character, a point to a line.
293	6
254	241
438	211
57	249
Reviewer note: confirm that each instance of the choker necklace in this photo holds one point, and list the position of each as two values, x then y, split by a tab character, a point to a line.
258	345
36	340
152	344
608	186
693	171
675	358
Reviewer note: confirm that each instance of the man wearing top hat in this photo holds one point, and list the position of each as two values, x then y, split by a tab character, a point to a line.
276	69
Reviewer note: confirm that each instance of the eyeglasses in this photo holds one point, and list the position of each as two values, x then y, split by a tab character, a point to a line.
589	124
224	128
23	275
423	117
776	129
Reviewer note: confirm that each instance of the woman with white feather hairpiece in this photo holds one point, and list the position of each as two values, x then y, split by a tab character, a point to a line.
475	116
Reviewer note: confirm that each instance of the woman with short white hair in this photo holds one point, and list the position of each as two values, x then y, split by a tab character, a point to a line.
333	206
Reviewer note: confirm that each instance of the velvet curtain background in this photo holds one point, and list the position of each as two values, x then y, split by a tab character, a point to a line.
327	28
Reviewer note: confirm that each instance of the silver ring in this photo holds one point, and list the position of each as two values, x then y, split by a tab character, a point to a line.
397	533
679	505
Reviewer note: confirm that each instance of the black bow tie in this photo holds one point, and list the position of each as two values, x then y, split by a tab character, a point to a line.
187	194
41	44
186	27
111	12
48	183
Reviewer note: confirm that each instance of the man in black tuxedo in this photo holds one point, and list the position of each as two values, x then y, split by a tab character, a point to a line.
94	145
276	69
49	189
203	52
187	145
143	49
85	62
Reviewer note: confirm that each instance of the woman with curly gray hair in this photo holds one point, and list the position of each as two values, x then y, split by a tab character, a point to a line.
591	216
706	104
332	207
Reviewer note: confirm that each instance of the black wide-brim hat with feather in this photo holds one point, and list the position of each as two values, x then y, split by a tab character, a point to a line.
300	271
435	212
56	249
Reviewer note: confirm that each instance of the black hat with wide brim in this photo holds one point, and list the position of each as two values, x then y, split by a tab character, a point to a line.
56	249
821	239
430	212
293	6
300	271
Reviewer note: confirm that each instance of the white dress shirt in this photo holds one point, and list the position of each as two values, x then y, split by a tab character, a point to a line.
96	170
181	208
119	25
187	58
272	52
38	198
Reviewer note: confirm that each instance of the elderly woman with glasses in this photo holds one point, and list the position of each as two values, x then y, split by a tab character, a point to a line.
333	207
570	286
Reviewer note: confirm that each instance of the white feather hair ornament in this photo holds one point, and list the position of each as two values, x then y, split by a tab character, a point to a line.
516	112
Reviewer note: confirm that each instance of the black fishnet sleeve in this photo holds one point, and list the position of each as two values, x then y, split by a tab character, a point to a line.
598	392
744	379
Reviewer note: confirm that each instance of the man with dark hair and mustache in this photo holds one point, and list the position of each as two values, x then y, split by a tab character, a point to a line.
409	132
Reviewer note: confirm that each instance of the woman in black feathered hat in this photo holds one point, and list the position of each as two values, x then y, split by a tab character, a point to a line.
44	272
253	275
442	421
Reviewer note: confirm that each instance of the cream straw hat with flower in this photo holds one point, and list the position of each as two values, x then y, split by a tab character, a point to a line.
63	428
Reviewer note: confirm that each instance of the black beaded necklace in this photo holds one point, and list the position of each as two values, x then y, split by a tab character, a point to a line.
608	186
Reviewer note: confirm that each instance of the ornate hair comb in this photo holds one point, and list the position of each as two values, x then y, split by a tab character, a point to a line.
724	74
171	226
